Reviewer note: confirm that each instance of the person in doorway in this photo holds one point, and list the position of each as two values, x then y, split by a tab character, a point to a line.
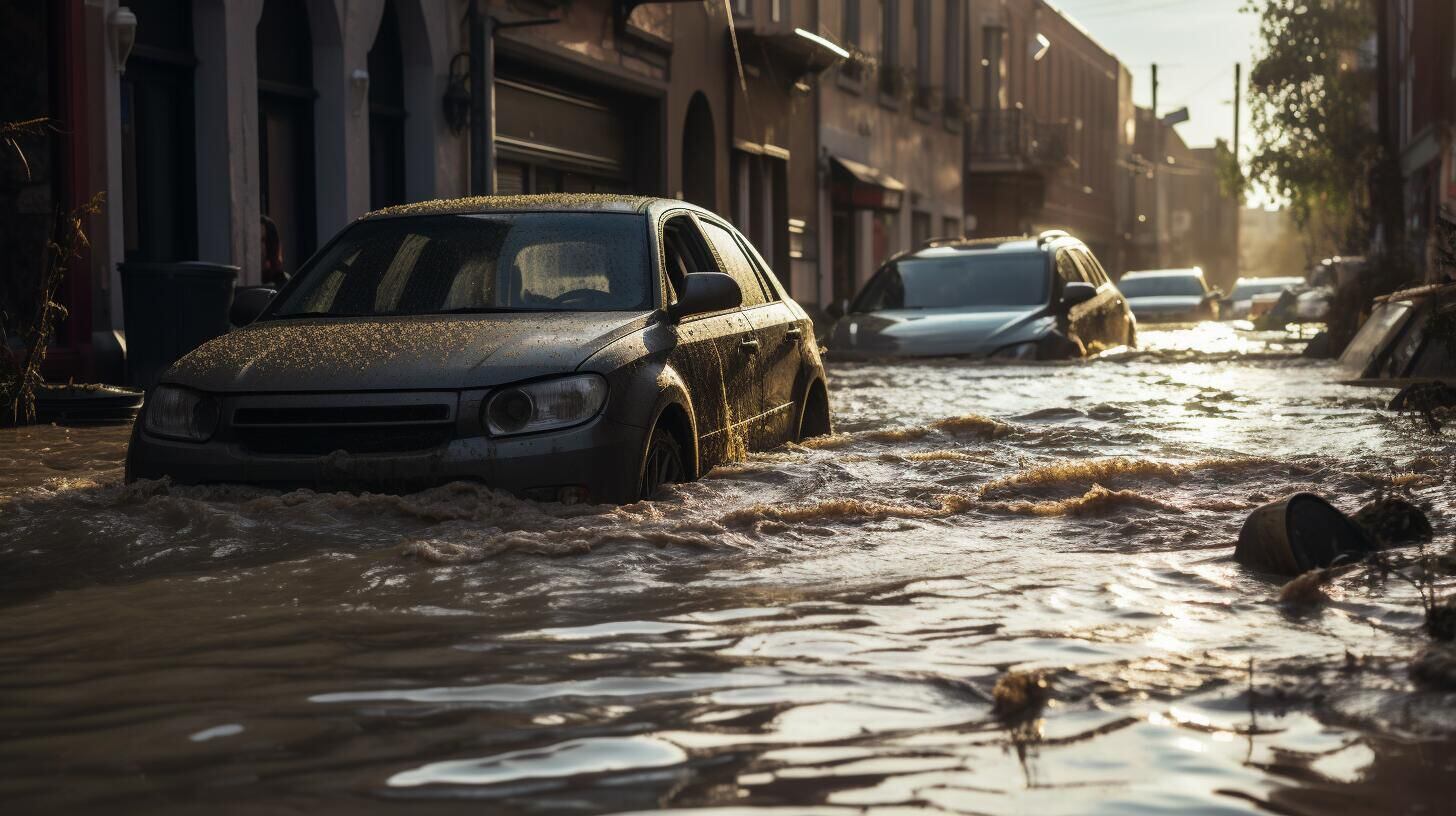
273	274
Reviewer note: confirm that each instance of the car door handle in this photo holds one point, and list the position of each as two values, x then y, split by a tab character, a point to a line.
750	345
794	334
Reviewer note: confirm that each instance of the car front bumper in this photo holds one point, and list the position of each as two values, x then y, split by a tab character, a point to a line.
597	461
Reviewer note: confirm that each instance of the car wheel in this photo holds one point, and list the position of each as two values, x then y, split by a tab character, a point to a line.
814	419
661	464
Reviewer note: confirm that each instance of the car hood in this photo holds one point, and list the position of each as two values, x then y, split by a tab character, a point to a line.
936	332
1165	303
398	353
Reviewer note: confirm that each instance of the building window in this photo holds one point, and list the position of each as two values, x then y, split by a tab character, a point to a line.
285	127
953	90
742	8
890	76
923	79
919	228
993	67
776	9
158	165
386	113
850	34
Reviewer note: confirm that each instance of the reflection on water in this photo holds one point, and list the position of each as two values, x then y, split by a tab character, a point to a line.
815	629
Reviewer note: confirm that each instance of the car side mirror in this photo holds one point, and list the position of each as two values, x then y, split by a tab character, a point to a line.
249	303
704	292
838	308
1077	292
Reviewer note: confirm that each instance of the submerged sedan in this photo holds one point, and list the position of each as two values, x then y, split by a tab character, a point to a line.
1034	298
1240	302
564	348
1170	295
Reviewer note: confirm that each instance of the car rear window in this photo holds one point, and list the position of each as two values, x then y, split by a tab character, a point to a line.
439	264
1161	286
960	281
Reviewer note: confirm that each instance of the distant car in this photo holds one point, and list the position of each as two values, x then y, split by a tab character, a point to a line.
563	348
1028	298
1170	295
1239	302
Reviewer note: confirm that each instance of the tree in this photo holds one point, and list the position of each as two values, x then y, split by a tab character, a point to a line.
1310	92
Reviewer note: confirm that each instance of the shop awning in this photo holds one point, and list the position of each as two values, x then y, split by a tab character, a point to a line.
860	186
797	53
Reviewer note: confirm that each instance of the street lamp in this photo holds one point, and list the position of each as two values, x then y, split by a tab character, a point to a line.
123	36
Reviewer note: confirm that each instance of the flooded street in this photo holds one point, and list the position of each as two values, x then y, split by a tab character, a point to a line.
816	626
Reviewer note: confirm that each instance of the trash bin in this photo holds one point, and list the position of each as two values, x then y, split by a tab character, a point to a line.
171	309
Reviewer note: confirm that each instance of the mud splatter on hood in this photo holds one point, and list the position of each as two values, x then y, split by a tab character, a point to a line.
394	352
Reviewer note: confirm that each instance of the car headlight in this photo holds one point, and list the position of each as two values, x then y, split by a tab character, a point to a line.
1016	351
545	405
180	413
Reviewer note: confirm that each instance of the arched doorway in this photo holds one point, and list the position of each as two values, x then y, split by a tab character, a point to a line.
699	154
386	113
285	126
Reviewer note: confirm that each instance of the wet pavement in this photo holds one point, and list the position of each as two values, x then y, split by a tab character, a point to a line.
816	629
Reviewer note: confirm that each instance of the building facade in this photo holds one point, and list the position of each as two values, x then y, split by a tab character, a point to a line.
1416	114
1051	126
210	123
1181	215
891	122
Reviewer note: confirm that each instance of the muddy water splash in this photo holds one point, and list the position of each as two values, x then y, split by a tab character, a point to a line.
820	626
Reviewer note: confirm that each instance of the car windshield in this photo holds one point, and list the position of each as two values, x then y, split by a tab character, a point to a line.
1161	286
960	281
1247	289
440	264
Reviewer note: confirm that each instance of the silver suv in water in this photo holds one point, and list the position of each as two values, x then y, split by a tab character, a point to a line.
561	347
1030	298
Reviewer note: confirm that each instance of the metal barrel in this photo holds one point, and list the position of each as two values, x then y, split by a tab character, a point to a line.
1299	533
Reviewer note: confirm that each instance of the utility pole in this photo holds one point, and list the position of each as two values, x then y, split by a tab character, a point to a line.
1155	92
1239	204
1157	162
1238	102
483	28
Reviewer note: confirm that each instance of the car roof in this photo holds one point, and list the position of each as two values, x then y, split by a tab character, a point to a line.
1191	272
1279	280
544	202
1007	244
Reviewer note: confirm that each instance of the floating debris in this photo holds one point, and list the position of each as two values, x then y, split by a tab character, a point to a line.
1393	521
1299	533
1021	695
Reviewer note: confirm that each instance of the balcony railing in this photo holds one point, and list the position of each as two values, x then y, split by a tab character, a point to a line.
1016	137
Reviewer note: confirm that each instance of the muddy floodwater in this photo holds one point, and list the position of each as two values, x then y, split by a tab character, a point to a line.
814	630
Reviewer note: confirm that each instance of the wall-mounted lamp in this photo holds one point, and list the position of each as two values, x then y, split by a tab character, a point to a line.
359	85
457	93
1039	47
123	36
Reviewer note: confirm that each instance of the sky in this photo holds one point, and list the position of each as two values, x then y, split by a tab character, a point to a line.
1195	44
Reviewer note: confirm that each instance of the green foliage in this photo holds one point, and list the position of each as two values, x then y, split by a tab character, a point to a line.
1310	93
1231	180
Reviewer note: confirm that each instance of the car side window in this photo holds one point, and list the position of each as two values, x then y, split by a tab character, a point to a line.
735	263
1091	270
683	252
1067	268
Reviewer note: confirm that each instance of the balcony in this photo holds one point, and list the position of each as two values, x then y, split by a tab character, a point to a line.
1002	140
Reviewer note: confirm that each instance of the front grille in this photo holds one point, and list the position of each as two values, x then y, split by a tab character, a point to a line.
342	415
355	423
352	439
